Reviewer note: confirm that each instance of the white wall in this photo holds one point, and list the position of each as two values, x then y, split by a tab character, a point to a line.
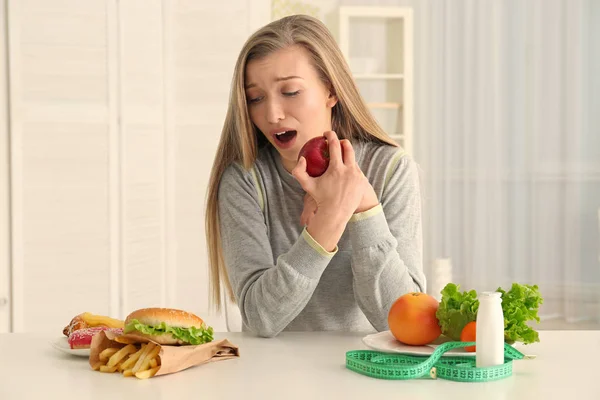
116	111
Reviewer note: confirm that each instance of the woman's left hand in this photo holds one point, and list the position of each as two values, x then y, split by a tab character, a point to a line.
309	211
369	199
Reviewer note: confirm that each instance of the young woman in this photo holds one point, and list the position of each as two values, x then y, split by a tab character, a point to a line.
296	252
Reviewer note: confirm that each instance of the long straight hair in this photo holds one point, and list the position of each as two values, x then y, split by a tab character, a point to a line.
240	139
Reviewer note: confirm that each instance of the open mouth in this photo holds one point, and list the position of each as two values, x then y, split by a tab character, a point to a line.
285	137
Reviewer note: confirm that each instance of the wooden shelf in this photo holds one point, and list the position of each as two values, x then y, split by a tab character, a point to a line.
384	105
378	76
384	74
385	12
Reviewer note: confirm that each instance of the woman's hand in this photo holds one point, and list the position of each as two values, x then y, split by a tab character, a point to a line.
342	186
310	209
368	201
337	194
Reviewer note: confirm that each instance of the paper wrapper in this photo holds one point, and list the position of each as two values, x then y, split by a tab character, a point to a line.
173	358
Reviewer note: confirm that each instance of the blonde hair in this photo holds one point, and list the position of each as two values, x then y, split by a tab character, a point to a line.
240	139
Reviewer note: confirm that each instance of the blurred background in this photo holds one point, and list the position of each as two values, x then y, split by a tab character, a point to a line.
111	110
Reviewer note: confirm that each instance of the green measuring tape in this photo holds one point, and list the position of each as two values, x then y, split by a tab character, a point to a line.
455	368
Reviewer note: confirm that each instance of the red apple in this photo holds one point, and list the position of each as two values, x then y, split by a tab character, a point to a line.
316	152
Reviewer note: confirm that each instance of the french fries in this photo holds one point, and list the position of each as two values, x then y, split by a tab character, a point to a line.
107	353
139	360
147	373
138	364
120	355
130	362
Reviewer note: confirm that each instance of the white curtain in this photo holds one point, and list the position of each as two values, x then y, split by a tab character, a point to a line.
507	132
508	135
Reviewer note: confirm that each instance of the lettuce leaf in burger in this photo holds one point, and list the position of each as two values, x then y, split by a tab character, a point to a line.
168	326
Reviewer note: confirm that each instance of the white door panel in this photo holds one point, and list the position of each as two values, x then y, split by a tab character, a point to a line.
5	303
142	142
116	111
58	163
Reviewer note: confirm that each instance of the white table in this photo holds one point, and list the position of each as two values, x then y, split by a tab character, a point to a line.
295	366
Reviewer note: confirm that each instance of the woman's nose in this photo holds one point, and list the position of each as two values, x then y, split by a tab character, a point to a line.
274	112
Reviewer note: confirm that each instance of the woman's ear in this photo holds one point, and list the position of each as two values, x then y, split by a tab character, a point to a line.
331	99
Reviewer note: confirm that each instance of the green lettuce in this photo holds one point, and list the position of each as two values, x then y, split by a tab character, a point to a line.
456	310
519	305
190	335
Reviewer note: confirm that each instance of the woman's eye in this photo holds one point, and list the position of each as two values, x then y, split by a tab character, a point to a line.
291	94
255	100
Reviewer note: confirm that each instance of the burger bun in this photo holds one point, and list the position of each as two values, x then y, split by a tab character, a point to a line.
170	316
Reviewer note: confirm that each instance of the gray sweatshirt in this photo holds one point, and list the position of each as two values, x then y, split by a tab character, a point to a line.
284	280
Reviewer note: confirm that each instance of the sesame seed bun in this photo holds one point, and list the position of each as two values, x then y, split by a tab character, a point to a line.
170	316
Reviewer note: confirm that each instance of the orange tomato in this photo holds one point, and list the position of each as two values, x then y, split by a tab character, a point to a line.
468	334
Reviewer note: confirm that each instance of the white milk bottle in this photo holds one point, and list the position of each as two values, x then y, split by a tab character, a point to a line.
489	336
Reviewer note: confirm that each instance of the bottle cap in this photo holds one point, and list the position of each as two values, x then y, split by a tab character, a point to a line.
490	295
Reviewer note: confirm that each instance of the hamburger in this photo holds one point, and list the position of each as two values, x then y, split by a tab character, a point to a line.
168	326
